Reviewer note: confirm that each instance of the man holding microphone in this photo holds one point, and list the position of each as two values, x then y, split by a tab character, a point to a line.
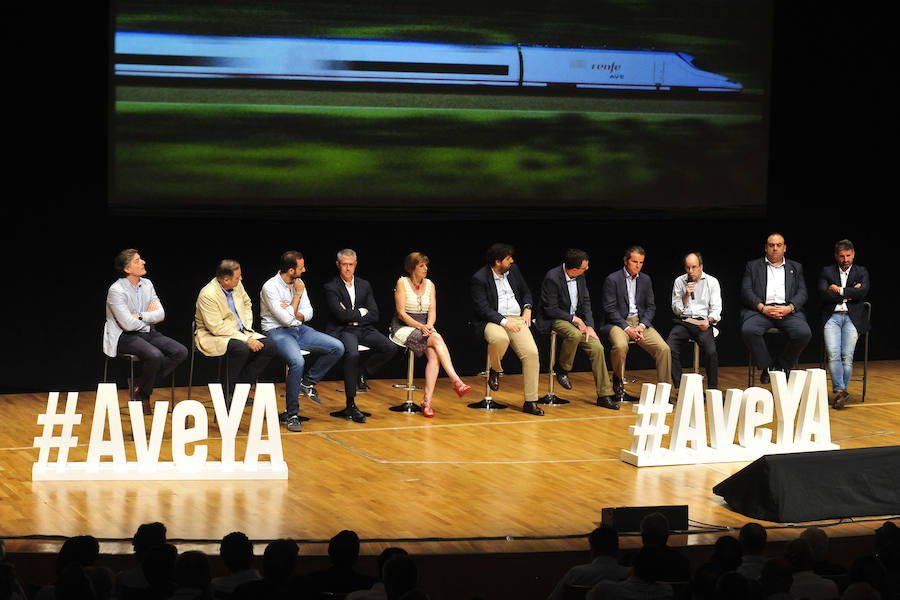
697	305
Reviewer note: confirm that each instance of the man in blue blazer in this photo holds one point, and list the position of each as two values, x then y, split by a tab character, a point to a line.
565	308
353	315
629	307
843	286
502	303
773	293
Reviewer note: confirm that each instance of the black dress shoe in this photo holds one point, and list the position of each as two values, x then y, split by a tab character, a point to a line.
532	409
764	377
618	385
352	413
563	378
493	380
607	402
356	415
626	397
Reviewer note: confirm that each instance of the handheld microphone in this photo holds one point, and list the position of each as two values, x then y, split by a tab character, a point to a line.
689	280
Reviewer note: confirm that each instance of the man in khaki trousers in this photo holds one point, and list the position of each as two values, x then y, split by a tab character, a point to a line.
502	303
630	307
565	308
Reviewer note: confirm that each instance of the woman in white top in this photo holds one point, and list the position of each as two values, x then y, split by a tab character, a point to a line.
413	326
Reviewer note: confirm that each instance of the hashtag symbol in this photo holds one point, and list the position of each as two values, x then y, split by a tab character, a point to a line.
65	440
650	426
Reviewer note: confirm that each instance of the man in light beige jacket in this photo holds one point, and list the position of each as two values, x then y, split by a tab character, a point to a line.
224	320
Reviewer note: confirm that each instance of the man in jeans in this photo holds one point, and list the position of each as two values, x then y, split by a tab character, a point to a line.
285	310
843	286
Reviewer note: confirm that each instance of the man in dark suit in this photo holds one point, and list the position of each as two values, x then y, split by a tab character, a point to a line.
629	307
502	303
843	286
773	293
353	315
566	308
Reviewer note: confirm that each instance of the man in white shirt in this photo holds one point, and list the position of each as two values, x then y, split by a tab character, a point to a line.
697	305
773	293
285	312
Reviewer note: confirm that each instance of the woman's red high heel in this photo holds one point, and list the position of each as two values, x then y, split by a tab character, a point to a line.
462	389
426	409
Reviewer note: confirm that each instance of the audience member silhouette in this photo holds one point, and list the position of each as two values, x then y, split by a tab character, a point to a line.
726	558
192	576
643	583
862	591
807	584
279	561
731	585
79	552
236	551
818	545
776	579
10	589
868	569
604	565
400	576
676	567
159	571
887	550
753	539
377	591
147	536
340	577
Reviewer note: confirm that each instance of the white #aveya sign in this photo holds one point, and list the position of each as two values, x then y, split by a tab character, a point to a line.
189	426
799	404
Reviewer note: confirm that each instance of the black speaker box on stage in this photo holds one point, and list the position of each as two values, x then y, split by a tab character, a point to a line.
628	518
809	486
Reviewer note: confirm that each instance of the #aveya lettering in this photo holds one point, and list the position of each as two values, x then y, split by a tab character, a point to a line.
189	430
799	405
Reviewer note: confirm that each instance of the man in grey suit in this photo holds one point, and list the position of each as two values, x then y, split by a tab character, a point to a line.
773	293
132	312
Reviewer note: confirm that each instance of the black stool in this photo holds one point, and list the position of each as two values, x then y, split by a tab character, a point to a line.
131	358
550	397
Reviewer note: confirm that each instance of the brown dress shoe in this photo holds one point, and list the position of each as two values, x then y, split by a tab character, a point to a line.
563	378
607	402
532	409
840	399
493	380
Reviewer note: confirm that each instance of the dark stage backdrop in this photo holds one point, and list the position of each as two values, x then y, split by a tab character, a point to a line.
831	158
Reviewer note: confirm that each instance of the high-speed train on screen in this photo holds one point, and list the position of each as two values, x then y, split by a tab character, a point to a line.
142	54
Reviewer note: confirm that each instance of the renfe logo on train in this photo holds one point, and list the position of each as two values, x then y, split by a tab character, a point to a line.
189	427
799	404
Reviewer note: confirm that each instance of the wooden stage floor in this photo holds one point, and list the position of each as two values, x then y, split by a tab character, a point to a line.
467	481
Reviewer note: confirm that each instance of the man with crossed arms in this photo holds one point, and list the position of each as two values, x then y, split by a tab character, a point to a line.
285	312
